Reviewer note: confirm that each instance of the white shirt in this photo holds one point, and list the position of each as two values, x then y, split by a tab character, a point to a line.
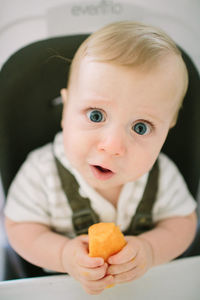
36	194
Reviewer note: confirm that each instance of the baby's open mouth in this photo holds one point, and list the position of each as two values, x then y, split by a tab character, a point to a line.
103	170
101	173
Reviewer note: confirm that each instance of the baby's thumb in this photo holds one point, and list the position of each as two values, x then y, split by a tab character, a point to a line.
85	260
84	238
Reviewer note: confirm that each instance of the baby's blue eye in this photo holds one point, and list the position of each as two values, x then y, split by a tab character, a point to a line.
95	116
140	128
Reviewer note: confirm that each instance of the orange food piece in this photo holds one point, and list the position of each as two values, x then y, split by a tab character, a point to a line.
105	239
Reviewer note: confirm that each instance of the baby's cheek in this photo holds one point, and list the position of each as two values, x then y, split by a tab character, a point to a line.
141	164
71	145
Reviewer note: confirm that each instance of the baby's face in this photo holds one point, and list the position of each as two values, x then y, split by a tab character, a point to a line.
117	118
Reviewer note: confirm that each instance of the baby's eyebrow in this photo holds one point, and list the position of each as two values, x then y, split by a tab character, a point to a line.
96	100
153	117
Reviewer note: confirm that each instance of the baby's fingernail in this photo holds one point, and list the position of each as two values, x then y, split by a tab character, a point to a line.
133	259
100	261
110	261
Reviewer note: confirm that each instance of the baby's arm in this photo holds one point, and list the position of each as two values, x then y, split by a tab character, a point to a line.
167	240
171	237
42	247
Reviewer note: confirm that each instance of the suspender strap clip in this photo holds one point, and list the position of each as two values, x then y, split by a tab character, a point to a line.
82	220
142	219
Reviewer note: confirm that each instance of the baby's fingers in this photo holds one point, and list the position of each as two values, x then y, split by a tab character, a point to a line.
128	276
89	262
93	273
127	254
82	257
96	287
121	268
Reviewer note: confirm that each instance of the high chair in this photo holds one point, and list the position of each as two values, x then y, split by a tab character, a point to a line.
30	114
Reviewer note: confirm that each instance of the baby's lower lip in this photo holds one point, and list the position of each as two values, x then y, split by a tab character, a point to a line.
101	173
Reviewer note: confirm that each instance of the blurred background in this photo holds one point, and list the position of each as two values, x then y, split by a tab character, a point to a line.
25	21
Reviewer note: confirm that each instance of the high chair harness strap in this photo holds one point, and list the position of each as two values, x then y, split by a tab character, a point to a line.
142	220
84	216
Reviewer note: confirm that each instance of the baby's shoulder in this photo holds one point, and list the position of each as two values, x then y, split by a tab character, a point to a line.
169	173
42	155
42	159
166	164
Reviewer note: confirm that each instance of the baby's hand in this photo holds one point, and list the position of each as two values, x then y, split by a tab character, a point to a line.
132	261
89	271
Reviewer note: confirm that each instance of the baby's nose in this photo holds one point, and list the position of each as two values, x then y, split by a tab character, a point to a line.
113	143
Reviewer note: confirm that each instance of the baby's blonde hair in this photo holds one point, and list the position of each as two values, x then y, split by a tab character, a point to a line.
130	44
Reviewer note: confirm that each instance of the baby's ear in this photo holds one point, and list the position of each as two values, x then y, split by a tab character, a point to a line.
174	120
63	94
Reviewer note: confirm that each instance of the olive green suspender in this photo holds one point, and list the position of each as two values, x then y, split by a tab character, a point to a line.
84	216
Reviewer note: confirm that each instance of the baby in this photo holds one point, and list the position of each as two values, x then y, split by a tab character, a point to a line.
126	85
